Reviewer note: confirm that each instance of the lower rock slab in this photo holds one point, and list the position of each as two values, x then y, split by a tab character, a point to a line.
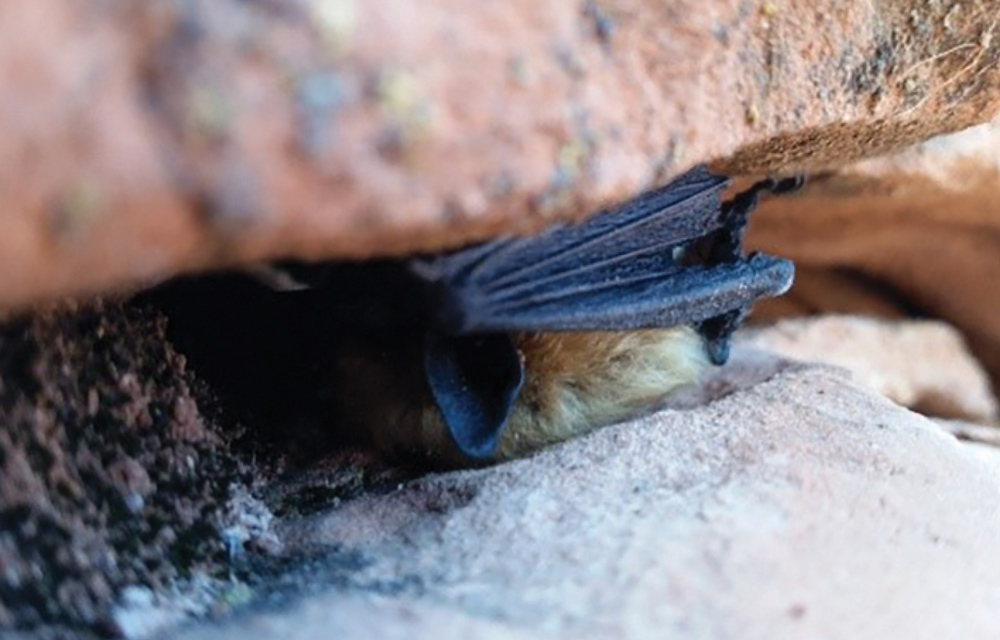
800	506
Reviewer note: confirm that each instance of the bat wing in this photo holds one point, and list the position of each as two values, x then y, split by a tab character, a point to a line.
670	257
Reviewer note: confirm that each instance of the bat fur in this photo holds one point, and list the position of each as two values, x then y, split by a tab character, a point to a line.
575	382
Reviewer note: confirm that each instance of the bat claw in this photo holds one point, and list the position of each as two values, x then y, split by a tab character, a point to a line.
718	350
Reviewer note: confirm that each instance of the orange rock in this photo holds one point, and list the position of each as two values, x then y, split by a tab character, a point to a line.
140	140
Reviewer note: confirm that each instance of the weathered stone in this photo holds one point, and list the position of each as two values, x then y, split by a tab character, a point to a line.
143	139
922	365
800	506
914	233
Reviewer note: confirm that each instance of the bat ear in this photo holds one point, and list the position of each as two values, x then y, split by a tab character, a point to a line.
475	381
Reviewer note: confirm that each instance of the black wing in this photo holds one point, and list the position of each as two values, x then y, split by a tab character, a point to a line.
670	257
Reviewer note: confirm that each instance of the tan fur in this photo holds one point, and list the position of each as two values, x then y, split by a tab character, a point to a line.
577	382
574	383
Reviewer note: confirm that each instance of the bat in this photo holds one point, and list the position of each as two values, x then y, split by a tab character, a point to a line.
496	350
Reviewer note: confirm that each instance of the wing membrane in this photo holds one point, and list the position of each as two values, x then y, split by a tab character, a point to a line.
668	257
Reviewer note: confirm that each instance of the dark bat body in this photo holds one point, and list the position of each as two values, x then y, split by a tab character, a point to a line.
497	349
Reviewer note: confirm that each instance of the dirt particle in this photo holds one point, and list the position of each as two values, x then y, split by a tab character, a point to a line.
951	18
870	76
519	70
234	204
318	98
913	92
337	21
603	25
208	113
402	100
721	33
572	158
570	61
76	213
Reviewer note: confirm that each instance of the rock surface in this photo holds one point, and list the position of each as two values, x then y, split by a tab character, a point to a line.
111	475
797	505
914	233
142	139
923	365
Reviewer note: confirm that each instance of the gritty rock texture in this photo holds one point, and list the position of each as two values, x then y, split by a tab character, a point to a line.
797	505
110	476
914	233
923	365
139	139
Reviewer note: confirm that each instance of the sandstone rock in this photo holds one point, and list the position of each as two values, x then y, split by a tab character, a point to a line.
800	506
913	233
923	365
143	139
989	437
